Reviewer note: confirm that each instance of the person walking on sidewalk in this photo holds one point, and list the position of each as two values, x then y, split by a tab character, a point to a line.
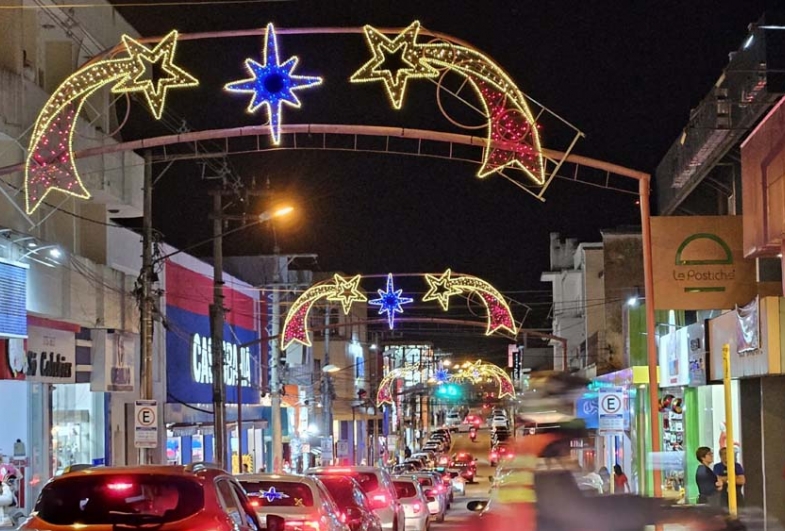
721	469
709	485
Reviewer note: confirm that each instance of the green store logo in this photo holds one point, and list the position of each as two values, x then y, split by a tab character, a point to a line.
704	275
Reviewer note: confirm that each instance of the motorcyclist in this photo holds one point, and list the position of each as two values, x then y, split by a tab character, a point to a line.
473	433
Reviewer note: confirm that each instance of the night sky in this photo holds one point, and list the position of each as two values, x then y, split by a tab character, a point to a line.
625	76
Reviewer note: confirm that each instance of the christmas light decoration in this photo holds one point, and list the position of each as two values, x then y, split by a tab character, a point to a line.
390	301
50	161
513	137
295	328
441	288
480	371
441	375
272	494
384	393
349	293
272	83
382	48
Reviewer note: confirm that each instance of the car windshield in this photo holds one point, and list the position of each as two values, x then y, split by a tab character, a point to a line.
342	490
405	489
428	482
105	499
279	493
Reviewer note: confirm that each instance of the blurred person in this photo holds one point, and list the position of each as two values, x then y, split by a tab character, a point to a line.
606	479
709	485
721	470
620	482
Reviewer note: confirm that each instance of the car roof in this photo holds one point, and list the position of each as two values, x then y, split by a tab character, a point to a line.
192	470
346	469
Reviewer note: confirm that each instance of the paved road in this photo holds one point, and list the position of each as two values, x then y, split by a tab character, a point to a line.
458	516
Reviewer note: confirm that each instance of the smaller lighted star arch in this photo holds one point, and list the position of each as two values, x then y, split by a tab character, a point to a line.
272	83
385	394
480	371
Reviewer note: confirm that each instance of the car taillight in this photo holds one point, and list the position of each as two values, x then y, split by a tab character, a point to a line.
494	455
473	463
342	517
254	503
440	488
380	500
119	487
417	507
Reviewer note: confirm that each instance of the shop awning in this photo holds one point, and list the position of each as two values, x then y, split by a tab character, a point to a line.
201	414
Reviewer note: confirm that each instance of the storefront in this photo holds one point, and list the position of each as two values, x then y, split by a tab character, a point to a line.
189	292
56	421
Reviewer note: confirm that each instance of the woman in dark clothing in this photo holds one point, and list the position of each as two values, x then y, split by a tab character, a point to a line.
709	484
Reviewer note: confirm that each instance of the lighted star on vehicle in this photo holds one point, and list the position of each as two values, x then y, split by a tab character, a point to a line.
273	83
390	301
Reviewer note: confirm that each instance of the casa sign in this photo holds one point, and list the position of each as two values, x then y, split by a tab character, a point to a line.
202	362
698	263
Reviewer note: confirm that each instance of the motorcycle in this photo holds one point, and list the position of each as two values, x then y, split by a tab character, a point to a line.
473	434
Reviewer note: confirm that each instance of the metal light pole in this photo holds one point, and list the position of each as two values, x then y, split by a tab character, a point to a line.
327	402
217	335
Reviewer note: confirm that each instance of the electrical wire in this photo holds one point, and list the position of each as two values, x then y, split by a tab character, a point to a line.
120	5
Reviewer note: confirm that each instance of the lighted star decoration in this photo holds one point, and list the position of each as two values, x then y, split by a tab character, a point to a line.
347	292
143	78
443	287
513	139
405	45
479	371
272	494
390	301
384	395
50	156
272	83
441	375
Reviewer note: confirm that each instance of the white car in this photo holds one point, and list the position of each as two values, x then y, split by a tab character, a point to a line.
302	501
453	418
499	422
415	504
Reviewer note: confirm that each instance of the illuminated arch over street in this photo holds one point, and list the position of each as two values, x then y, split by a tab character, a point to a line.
499	317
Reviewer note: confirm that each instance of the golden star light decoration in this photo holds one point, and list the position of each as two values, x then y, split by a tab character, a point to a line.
382	48
141	78
347	292
513	139
49	165
440	289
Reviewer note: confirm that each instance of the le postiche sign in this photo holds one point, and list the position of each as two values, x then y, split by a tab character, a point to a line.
699	264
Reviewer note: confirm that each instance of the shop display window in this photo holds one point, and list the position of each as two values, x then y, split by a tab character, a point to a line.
78	417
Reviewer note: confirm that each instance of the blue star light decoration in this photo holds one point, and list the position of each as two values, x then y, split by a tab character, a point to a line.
273	83
390	301
272	495
441	375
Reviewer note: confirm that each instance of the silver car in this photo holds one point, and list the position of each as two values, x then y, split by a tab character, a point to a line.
415	504
304	503
377	486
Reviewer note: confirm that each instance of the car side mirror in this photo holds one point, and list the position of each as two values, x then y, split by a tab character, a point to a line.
476	505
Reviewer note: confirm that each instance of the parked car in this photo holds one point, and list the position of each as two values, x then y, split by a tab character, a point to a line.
427	458
466	465
177	497
303	502
415	504
499	421
378	488
355	508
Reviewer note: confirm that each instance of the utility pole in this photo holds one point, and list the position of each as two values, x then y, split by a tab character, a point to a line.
146	320
327	395
217	335
275	383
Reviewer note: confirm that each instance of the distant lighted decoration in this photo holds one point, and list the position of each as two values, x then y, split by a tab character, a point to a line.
384	394
513	137
295	328
443	287
272	83
50	160
441	375
390	301
480	371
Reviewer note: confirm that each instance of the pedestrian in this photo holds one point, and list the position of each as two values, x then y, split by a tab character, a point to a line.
606	479
620	482
407	453
709	484
721	470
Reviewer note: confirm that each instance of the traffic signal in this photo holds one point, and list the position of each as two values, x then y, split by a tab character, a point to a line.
448	391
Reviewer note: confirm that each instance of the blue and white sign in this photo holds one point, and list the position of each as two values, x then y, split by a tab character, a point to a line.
13	300
189	360
586	409
611	409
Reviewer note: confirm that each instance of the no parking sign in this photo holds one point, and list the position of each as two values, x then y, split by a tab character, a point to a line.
610	403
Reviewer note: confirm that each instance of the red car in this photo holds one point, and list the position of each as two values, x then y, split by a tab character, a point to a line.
466	464
192	497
